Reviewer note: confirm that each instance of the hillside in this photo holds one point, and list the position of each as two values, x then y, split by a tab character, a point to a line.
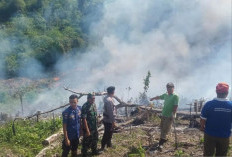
34	34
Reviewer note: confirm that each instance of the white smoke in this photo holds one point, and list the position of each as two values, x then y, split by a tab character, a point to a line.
185	42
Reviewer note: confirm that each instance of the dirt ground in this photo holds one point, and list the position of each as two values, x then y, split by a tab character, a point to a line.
190	141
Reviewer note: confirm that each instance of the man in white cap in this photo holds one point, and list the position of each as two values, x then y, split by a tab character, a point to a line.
168	113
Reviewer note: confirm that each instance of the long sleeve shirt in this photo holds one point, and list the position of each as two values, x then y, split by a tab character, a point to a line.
109	110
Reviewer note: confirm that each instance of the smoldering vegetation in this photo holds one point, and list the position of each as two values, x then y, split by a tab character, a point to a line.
89	45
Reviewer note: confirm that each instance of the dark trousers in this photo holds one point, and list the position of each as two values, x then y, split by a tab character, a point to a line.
73	147
220	144
107	136
90	142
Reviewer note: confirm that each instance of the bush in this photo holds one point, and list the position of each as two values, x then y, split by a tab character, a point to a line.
29	135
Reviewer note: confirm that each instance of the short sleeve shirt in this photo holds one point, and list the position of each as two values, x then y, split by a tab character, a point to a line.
72	118
169	102
89	111
218	116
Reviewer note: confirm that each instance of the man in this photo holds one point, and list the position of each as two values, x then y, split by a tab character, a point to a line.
169	111
109	117
216	119
71	127
89	121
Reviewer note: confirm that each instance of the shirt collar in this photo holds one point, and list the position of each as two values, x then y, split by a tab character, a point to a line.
221	99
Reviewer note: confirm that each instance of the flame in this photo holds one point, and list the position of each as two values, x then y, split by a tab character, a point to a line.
56	78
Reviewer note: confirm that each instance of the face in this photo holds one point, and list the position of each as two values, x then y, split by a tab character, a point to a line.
91	100
170	90
112	94
73	102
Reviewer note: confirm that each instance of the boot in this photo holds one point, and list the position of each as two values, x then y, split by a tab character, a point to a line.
162	141
96	152
74	154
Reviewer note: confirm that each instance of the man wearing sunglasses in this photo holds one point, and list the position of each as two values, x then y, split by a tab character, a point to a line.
169	111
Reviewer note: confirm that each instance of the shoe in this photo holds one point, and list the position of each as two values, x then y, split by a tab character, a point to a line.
97	152
162	141
101	150
111	146
74	154
84	155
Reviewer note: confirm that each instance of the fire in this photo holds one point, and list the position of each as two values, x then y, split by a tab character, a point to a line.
56	78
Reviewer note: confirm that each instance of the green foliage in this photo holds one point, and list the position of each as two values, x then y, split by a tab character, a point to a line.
179	153
12	64
44	30
18	5
137	152
202	140
29	135
143	99
146	81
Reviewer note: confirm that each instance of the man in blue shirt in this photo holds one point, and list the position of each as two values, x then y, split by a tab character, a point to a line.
216	119
71	127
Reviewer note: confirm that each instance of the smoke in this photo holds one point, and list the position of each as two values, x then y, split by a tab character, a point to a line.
184	42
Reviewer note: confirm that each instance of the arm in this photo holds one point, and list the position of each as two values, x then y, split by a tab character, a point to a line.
65	121
67	142
155	98
176	102
204	115
109	110
119	100
202	122
175	109
84	121
86	128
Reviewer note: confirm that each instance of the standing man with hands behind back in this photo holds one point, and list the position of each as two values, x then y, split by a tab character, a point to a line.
169	111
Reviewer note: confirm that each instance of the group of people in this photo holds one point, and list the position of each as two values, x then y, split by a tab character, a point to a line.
83	120
216	122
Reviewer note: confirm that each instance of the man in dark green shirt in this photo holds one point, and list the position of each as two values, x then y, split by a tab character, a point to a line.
89	120
169	111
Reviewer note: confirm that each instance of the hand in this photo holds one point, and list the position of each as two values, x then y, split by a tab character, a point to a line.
202	129
173	115
87	134
81	132
67	142
114	125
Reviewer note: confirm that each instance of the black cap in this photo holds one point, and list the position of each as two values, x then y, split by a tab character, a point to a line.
110	89
170	84
89	96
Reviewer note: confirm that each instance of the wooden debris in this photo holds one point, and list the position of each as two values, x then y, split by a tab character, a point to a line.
52	138
83	94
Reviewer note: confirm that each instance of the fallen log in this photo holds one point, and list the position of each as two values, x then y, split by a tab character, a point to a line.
43	152
40	113
126	105
52	138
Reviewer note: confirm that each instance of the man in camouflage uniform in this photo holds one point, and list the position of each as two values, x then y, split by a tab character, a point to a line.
89	120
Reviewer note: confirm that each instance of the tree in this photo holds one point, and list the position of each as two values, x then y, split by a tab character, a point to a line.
19	90
18	5
143	99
